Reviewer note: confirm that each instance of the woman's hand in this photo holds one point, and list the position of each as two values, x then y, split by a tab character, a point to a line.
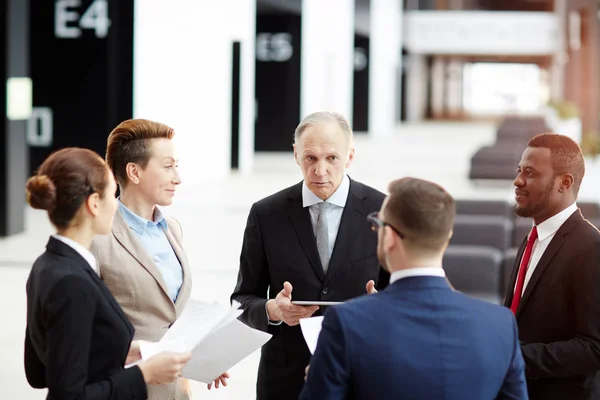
164	367
220	380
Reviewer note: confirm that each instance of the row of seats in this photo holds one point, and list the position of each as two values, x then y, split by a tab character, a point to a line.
500	160
493	223
503	208
484	245
497	232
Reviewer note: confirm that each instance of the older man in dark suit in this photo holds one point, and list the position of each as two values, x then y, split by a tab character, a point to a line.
308	242
555	283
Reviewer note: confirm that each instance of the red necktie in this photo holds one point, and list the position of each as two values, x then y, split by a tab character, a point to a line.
523	271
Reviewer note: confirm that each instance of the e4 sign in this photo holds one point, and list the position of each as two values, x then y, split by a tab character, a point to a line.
69	21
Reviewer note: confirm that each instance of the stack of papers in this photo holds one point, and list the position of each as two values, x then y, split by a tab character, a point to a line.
214	336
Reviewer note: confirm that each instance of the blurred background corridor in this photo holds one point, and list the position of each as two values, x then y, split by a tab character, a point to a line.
446	90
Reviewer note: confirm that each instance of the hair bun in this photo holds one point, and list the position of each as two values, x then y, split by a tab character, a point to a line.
41	193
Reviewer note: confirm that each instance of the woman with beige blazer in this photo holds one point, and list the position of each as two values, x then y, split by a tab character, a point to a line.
142	260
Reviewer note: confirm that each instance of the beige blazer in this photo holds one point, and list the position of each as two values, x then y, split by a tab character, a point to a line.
138	286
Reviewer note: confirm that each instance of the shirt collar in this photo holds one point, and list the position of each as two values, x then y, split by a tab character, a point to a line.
338	197
412	272
553	224
83	252
138	223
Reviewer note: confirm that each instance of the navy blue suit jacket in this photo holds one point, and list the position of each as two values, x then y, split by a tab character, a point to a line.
418	339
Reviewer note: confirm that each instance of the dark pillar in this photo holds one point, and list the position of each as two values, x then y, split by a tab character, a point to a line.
14	160
361	84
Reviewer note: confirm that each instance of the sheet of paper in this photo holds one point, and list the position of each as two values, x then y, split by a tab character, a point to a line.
222	350
214	335
133	364
197	320
149	349
311	327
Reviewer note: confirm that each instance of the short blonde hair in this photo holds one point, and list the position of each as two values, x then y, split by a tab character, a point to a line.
129	142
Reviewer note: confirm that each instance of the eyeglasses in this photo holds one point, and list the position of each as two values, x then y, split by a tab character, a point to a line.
377	223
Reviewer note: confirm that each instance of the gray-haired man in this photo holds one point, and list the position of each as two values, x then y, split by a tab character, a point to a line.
309	242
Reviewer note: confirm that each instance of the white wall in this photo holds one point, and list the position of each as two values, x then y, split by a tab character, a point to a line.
385	55
327	64
182	77
481	32
241	18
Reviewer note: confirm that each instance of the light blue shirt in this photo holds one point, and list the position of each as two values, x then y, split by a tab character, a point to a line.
154	239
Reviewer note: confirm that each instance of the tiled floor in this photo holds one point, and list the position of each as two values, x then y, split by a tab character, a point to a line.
214	214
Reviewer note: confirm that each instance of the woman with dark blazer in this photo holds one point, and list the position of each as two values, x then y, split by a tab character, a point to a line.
78	339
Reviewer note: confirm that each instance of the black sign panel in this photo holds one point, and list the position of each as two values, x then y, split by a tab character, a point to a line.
277	81
82	73
361	84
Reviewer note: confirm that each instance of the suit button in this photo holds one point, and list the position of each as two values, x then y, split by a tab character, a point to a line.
325	290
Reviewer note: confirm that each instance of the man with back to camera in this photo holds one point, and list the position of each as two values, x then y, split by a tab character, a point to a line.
554	289
418	339
308	242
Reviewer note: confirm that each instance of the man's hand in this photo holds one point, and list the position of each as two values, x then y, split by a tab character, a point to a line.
220	380
282	309
371	287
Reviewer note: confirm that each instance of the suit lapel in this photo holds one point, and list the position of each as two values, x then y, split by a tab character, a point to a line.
187	278
553	247
127	239
300	218
510	291
353	218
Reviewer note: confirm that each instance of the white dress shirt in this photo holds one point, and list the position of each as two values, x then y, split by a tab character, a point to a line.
333	213
420	271
83	252
546	231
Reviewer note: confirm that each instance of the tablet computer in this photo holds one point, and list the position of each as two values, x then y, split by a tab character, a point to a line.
316	303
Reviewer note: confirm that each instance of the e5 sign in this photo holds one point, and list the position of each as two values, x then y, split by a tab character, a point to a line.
68	23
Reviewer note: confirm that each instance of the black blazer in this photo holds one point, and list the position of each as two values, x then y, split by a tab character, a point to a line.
279	245
77	337
559	315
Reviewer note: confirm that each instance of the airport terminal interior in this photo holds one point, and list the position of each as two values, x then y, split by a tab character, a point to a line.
445	90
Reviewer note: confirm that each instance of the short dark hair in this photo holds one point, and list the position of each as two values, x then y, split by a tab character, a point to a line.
129	143
64	181
565	155
423	211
